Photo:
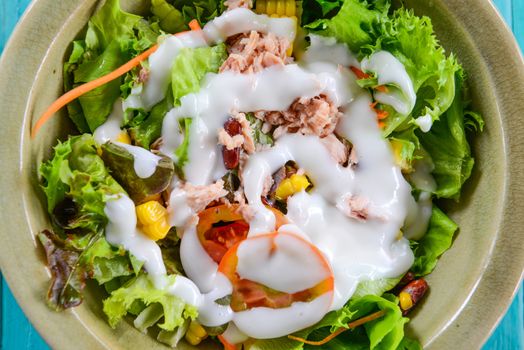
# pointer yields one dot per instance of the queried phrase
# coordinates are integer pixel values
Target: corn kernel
(397, 153)
(271, 7)
(292, 185)
(291, 8)
(405, 301)
(261, 7)
(123, 137)
(157, 230)
(150, 212)
(281, 8)
(195, 334)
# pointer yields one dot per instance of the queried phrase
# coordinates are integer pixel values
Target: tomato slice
(248, 294)
(221, 227)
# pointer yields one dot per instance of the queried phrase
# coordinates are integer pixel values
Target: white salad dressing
(230, 23)
(160, 64)
(355, 250)
(417, 223)
(220, 96)
(291, 268)
(145, 162)
(425, 122)
(242, 20)
(390, 71)
(110, 130)
(121, 230)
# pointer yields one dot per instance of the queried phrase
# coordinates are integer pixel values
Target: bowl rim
(513, 193)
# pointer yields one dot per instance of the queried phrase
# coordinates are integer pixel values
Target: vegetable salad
(260, 174)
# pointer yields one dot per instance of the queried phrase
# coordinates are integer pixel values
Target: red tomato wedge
(221, 227)
(248, 294)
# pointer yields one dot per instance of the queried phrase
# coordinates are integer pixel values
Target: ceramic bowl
(475, 280)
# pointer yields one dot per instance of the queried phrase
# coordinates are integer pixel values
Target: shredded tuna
(247, 133)
(267, 185)
(355, 207)
(233, 4)
(230, 142)
(251, 53)
(309, 116)
(243, 208)
(198, 197)
(336, 148)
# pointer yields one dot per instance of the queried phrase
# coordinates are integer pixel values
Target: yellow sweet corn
(276, 9)
(152, 219)
(292, 185)
(150, 212)
(405, 301)
(397, 152)
(124, 138)
(280, 8)
(158, 230)
(195, 334)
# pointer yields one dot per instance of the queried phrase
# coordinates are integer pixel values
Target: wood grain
(16, 331)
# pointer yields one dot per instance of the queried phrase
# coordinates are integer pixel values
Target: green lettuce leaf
(435, 242)
(386, 332)
(313, 10)
(98, 103)
(71, 267)
(110, 23)
(449, 149)
(77, 172)
(190, 67)
(175, 16)
(181, 153)
(411, 39)
(113, 37)
(355, 23)
(149, 128)
(375, 287)
(140, 289)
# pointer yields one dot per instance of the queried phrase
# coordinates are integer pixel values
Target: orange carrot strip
(359, 73)
(194, 25)
(85, 88)
(351, 325)
(382, 88)
(381, 114)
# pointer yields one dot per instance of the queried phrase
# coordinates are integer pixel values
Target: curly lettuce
(140, 291)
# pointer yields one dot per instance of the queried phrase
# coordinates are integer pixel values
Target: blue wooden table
(16, 332)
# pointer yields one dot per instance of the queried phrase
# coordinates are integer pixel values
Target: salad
(263, 175)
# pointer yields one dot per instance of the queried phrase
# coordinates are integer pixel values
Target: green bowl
(474, 282)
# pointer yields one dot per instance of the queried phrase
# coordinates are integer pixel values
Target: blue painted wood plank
(10, 12)
(518, 23)
(505, 8)
(16, 331)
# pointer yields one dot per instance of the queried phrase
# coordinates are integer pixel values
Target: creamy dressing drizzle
(390, 71)
(355, 250)
(110, 130)
(145, 162)
(230, 23)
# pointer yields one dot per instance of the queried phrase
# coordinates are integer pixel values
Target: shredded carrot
(381, 114)
(373, 105)
(381, 125)
(351, 325)
(89, 86)
(194, 25)
(359, 73)
(381, 88)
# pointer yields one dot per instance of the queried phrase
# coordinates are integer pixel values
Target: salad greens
(78, 182)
